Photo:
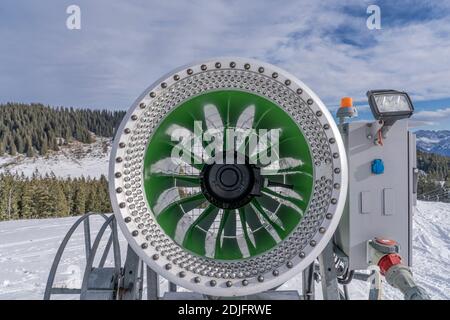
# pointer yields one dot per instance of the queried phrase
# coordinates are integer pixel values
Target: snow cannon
(228, 177)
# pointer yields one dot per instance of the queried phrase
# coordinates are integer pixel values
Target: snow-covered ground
(27, 249)
(75, 160)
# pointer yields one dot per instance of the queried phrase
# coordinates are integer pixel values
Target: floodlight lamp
(390, 105)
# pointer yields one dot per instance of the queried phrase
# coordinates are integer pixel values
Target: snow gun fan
(228, 177)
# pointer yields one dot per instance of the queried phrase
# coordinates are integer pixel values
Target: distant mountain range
(434, 141)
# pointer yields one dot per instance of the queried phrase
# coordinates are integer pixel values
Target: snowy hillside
(75, 160)
(27, 249)
(434, 141)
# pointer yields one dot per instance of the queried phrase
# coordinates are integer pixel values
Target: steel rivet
(119, 190)
(232, 64)
(176, 77)
(134, 117)
(247, 66)
(335, 155)
(168, 266)
(289, 264)
(122, 205)
(310, 101)
(142, 105)
(336, 185)
(287, 82)
(229, 284)
(152, 94)
(212, 283)
(163, 85)
(122, 145)
(134, 233)
(127, 219)
(337, 170)
(275, 273)
(244, 282)
(319, 113)
(333, 201)
(332, 140)
(299, 91)
(274, 75)
(203, 67)
(260, 69)
(118, 159)
(182, 274)
(328, 216)
(326, 126)
(312, 243)
(144, 245)
(197, 280)
(117, 174)
(189, 71)
(260, 278)
(155, 256)
(218, 65)
(322, 230)
(302, 255)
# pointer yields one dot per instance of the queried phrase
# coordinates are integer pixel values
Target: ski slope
(27, 249)
(75, 160)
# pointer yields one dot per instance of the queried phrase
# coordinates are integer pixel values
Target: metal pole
(152, 284)
(132, 277)
(328, 273)
(87, 238)
(308, 282)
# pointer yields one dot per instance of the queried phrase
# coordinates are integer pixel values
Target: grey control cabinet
(378, 205)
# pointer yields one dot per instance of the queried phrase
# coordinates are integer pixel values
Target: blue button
(377, 166)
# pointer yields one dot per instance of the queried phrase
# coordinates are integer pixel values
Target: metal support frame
(90, 272)
(126, 282)
(132, 278)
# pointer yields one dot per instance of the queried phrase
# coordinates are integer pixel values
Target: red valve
(387, 261)
(386, 242)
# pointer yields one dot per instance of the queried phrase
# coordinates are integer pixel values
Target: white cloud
(434, 116)
(124, 46)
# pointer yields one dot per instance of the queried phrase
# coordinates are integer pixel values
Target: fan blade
(174, 196)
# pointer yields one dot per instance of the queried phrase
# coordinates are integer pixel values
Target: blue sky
(123, 47)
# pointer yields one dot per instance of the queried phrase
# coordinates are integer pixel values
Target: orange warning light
(346, 102)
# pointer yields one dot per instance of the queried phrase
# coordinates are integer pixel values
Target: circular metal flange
(148, 220)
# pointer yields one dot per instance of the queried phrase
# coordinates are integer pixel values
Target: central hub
(230, 186)
(229, 176)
